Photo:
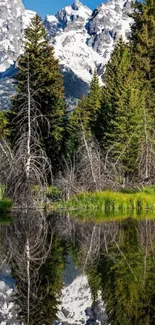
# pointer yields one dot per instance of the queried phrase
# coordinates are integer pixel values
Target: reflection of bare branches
(91, 239)
(29, 243)
(89, 252)
(4, 254)
(146, 230)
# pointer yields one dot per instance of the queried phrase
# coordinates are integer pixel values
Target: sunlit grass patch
(110, 202)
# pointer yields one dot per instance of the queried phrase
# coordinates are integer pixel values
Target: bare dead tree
(30, 165)
(89, 152)
(6, 157)
(88, 170)
(67, 178)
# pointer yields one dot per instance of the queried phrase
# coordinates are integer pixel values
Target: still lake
(77, 268)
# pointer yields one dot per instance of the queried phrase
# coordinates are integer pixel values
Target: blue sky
(44, 7)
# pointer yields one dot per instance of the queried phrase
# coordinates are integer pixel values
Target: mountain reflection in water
(117, 256)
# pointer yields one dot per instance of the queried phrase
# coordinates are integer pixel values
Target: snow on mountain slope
(10, 31)
(83, 40)
(76, 305)
(13, 19)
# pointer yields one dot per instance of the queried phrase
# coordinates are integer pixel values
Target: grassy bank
(111, 202)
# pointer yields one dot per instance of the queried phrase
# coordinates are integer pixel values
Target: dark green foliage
(128, 127)
(127, 283)
(46, 87)
(5, 219)
(115, 77)
(93, 102)
(121, 279)
(5, 205)
(143, 45)
(83, 117)
(143, 40)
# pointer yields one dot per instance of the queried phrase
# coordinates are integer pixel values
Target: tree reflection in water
(118, 258)
(37, 262)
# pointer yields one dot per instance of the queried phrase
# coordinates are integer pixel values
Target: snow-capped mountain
(83, 40)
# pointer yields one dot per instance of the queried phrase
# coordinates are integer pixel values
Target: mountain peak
(76, 4)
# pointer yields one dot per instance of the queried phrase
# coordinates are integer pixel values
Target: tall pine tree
(143, 40)
(116, 73)
(128, 127)
(46, 86)
(143, 46)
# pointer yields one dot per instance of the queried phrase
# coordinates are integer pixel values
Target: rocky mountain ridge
(83, 40)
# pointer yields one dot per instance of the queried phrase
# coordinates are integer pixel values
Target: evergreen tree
(128, 128)
(143, 45)
(116, 73)
(143, 40)
(93, 101)
(46, 86)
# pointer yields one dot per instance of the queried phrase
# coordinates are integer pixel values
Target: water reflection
(118, 258)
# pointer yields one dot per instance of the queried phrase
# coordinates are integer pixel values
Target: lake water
(77, 269)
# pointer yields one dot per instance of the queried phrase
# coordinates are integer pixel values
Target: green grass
(111, 202)
(51, 192)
